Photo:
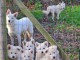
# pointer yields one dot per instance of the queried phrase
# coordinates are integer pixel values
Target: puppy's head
(10, 17)
(40, 47)
(13, 51)
(26, 54)
(28, 45)
(52, 52)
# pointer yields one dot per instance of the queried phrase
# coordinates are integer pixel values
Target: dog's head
(52, 52)
(26, 54)
(13, 51)
(62, 4)
(28, 45)
(40, 47)
(10, 17)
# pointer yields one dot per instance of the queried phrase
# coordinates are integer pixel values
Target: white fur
(29, 46)
(14, 52)
(16, 27)
(40, 48)
(55, 9)
(51, 53)
(27, 55)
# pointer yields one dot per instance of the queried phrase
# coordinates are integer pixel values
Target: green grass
(71, 15)
(38, 14)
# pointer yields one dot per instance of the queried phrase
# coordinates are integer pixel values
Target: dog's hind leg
(53, 16)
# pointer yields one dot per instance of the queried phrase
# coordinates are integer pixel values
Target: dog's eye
(40, 49)
(28, 56)
(11, 52)
(12, 18)
(43, 48)
(24, 56)
(15, 53)
(27, 46)
(54, 52)
(49, 54)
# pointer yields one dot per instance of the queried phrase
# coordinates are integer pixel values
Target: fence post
(3, 38)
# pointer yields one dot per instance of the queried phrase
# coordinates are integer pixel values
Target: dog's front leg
(12, 38)
(53, 16)
(19, 39)
(58, 15)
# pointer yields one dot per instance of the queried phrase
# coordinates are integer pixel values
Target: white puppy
(14, 52)
(27, 55)
(55, 9)
(29, 46)
(40, 48)
(51, 53)
(16, 27)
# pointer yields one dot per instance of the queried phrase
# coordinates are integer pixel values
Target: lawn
(71, 15)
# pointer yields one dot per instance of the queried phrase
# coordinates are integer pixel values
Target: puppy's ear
(8, 11)
(24, 43)
(8, 46)
(46, 50)
(31, 52)
(33, 41)
(18, 48)
(36, 44)
(16, 14)
(46, 43)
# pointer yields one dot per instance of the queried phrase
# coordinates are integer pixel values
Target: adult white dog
(16, 27)
(55, 9)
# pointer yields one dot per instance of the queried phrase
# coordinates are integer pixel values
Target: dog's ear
(8, 46)
(24, 43)
(8, 11)
(36, 44)
(46, 43)
(46, 50)
(33, 41)
(18, 48)
(16, 14)
(31, 52)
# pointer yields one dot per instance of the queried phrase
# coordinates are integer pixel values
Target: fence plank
(3, 44)
(25, 10)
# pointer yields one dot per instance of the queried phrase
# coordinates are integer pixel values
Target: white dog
(51, 53)
(27, 55)
(55, 9)
(16, 27)
(29, 45)
(40, 48)
(14, 52)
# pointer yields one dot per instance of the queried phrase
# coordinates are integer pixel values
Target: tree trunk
(3, 49)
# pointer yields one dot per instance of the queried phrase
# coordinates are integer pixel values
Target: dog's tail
(46, 12)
